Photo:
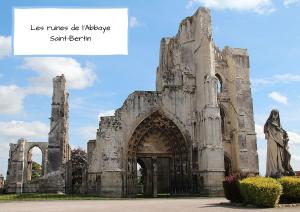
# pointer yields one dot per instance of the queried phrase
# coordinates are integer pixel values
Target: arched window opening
(141, 172)
(34, 164)
(219, 84)
(222, 113)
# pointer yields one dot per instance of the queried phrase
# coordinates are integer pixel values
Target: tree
(36, 171)
(79, 162)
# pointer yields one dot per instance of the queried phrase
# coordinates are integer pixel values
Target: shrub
(260, 191)
(231, 189)
(291, 189)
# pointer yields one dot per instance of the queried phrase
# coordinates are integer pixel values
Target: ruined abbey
(181, 139)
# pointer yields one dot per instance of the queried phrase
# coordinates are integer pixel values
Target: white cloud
(4, 152)
(287, 3)
(18, 129)
(47, 68)
(5, 46)
(106, 113)
(36, 155)
(278, 97)
(287, 78)
(296, 157)
(133, 22)
(259, 131)
(294, 138)
(87, 133)
(11, 131)
(278, 78)
(258, 6)
(11, 99)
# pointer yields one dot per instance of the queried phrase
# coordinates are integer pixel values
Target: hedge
(232, 190)
(291, 189)
(260, 191)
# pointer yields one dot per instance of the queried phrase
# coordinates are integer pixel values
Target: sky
(98, 85)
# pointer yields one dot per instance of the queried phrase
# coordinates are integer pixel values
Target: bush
(231, 189)
(291, 189)
(260, 191)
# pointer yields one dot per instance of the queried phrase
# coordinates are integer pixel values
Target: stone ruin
(181, 139)
(55, 152)
(1, 183)
(195, 128)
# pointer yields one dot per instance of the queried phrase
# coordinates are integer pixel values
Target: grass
(45, 196)
(37, 196)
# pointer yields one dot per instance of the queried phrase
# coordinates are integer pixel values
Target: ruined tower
(55, 153)
(196, 128)
(58, 148)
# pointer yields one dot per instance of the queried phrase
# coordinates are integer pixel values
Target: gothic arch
(168, 115)
(27, 159)
(158, 141)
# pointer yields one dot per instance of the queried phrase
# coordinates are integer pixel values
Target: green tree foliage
(79, 161)
(36, 171)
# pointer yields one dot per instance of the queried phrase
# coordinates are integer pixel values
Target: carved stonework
(177, 134)
(196, 127)
(59, 149)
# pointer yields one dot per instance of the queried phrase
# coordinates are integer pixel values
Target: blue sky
(269, 29)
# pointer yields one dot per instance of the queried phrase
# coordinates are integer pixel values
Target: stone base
(111, 184)
(211, 184)
(53, 182)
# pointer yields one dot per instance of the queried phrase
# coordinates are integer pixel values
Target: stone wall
(55, 153)
(1, 183)
(202, 92)
(19, 164)
(59, 150)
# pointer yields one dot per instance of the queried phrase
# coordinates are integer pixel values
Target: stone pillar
(211, 152)
(245, 146)
(58, 141)
(154, 167)
(15, 171)
(58, 148)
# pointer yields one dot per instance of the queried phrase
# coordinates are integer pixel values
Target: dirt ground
(131, 205)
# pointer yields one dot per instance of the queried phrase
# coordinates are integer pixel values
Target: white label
(61, 31)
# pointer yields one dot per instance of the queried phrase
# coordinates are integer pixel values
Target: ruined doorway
(153, 175)
(34, 166)
(159, 147)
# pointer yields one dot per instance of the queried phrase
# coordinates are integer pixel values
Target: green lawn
(36, 196)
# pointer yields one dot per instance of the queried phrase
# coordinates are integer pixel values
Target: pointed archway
(159, 144)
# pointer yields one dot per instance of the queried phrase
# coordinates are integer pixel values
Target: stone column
(58, 135)
(211, 152)
(154, 167)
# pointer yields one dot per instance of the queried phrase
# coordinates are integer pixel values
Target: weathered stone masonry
(55, 153)
(197, 126)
